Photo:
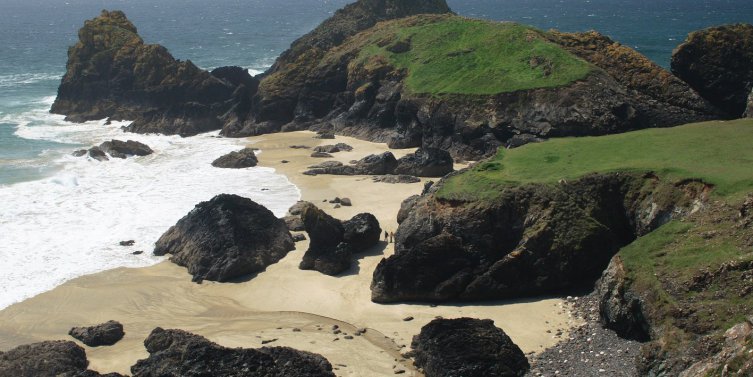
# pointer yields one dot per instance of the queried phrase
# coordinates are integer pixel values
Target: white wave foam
(255, 72)
(70, 224)
(8, 81)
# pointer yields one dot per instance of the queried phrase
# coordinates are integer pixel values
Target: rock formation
(226, 238)
(174, 353)
(718, 63)
(124, 149)
(105, 334)
(467, 347)
(112, 73)
(333, 242)
(533, 239)
(425, 162)
(47, 359)
(244, 158)
(749, 108)
(620, 308)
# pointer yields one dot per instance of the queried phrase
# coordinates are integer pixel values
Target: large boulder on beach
(374, 164)
(177, 353)
(244, 158)
(124, 149)
(226, 238)
(467, 347)
(718, 63)
(47, 359)
(362, 231)
(425, 162)
(326, 253)
(105, 334)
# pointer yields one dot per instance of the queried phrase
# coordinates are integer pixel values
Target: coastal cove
(245, 313)
(412, 187)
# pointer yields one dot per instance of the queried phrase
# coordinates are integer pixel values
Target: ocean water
(62, 217)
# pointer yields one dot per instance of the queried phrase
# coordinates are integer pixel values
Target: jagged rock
(294, 223)
(105, 334)
(406, 207)
(394, 179)
(384, 163)
(112, 73)
(47, 359)
(467, 347)
(619, 308)
(533, 239)
(174, 353)
(425, 162)
(734, 358)
(244, 158)
(718, 63)
(98, 154)
(362, 232)
(124, 149)
(327, 253)
(226, 238)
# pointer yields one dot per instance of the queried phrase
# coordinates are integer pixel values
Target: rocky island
(647, 222)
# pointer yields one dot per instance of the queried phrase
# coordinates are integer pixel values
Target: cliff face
(532, 239)
(718, 63)
(364, 86)
(112, 73)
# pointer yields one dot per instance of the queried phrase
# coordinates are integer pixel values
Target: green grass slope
(719, 153)
(455, 55)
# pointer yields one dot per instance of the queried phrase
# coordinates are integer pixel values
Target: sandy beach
(271, 304)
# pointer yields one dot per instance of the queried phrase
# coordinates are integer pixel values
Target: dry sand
(270, 305)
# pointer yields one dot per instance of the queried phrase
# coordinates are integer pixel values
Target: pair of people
(389, 237)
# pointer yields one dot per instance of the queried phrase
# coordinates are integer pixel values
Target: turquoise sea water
(62, 217)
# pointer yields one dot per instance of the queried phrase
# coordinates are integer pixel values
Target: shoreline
(272, 303)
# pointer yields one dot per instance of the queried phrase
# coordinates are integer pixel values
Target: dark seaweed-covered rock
(98, 154)
(244, 158)
(112, 73)
(425, 162)
(105, 334)
(362, 231)
(718, 63)
(177, 353)
(124, 149)
(532, 239)
(226, 238)
(47, 359)
(467, 347)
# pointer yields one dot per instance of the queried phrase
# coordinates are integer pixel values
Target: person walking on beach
(385, 236)
(392, 237)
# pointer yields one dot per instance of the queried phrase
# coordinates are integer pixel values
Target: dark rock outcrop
(425, 162)
(294, 223)
(395, 179)
(374, 164)
(47, 359)
(244, 158)
(105, 334)
(362, 231)
(533, 239)
(339, 147)
(619, 307)
(467, 347)
(333, 242)
(177, 353)
(226, 238)
(734, 357)
(112, 73)
(326, 253)
(718, 63)
(124, 149)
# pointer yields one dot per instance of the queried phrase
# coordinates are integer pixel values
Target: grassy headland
(455, 55)
(719, 153)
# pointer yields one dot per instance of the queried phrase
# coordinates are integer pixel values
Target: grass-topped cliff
(718, 153)
(456, 55)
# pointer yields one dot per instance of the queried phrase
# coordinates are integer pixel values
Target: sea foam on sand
(70, 224)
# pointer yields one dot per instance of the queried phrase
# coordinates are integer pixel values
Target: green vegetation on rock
(718, 153)
(455, 55)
